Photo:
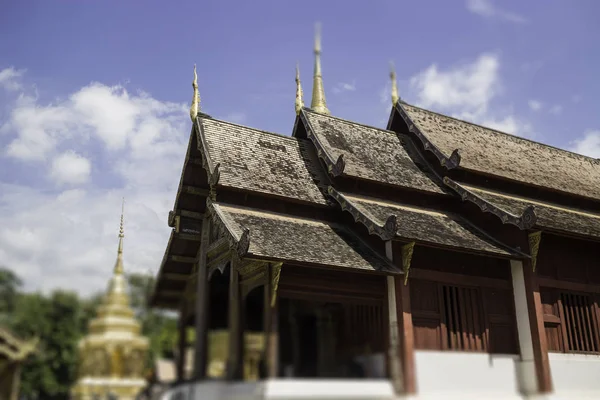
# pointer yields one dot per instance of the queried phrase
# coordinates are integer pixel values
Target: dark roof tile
(369, 153)
(264, 162)
(499, 154)
(428, 226)
(549, 215)
(300, 240)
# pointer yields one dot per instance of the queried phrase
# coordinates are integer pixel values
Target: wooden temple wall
(568, 274)
(462, 302)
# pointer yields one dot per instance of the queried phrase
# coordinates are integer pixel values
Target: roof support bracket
(407, 253)
(535, 239)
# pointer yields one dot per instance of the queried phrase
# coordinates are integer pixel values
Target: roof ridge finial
(119, 264)
(318, 102)
(195, 107)
(299, 93)
(395, 95)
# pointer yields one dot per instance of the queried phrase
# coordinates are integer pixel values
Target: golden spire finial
(299, 99)
(195, 108)
(395, 96)
(119, 264)
(318, 102)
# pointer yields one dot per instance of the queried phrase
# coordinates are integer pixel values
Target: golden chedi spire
(195, 107)
(119, 264)
(318, 102)
(299, 94)
(117, 288)
(112, 354)
(395, 96)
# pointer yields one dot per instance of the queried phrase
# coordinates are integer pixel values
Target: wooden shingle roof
(434, 228)
(490, 152)
(368, 153)
(263, 162)
(549, 216)
(281, 237)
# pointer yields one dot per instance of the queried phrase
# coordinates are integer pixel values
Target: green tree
(159, 327)
(57, 321)
(10, 284)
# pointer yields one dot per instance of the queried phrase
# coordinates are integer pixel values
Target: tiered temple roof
(334, 191)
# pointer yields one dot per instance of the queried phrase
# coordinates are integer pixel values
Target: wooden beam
(235, 370)
(190, 214)
(188, 236)
(175, 277)
(270, 324)
(181, 343)
(538, 330)
(201, 314)
(196, 191)
(402, 349)
(183, 259)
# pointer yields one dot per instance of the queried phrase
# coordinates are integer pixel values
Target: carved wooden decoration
(386, 232)
(407, 252)
(526, 221)
(238, 246)
(335, 168)
(275, 274)
(534, 246)
(451, 162)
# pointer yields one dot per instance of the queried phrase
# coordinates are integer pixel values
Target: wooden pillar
(181, 342)
(235, 367)
(401, 336)
(201, 306)
(270, 327)
(530, 324)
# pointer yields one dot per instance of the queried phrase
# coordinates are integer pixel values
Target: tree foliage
(60, 320)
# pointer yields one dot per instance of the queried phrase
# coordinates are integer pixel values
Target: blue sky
(93, 99)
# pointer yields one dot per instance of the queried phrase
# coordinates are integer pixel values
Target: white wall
(575, 375)
(473, 375)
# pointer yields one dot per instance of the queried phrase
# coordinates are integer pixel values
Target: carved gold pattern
(407, 252)
(275, 275)
(299, 94)
(534, 246)
(195, 107)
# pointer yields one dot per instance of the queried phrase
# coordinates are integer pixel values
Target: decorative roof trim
(335, 168)
(526, 220)
(239, 245)
(211, 169)
(448, 162)
(386, 232)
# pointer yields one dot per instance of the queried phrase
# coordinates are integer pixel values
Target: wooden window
(462, 318)
(571, 321)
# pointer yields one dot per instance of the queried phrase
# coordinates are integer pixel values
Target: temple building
(434, 258)
(112, 355)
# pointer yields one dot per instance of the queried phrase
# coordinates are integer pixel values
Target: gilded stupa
(112, 355)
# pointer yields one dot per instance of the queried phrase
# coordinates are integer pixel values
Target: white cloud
(469, 87)
(588, 145)
(556, 109)
(466, 91)
(70, 168)
(342, 87)
(10, 79)
(487, 9)
(135, 146)
(535, 105)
